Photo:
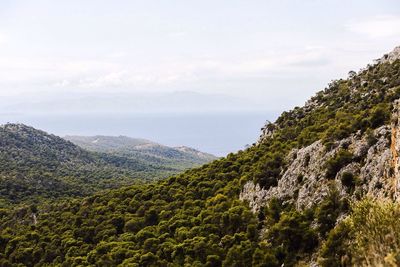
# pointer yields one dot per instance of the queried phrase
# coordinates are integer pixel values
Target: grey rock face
(391, 57)
(304, 183)
(255, 195)
(375, 166)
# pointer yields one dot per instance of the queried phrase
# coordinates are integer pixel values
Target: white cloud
(377, 27)
(103, 73)
(274, 61)
(200, 69)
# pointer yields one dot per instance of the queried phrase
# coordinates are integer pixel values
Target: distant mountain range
(136, 148)
(35, 164)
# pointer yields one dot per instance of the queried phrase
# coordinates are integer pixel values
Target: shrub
(269, 172)
(370, 236)
(348, 180)
(334, 164)
(379, 116)
(335, 251)
(293, 235)
(329, 210)
(371, 139)
(376, 240)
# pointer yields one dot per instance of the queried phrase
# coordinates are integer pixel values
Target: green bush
(376, 238)
(379, 115)
(334, 164)
(328, 211)
(371, 139)
(370, 236)
(348, 179)
(335, 251)
(293, 235)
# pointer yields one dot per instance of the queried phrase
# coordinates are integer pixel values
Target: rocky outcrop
(267, 131)
(375, 167)
(395, 148)
(390, 57)
(256, 196)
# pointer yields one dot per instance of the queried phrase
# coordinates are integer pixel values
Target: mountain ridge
(142, 148)
(36, 165)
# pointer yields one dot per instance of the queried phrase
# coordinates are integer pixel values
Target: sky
(183, 56)
(269, 54)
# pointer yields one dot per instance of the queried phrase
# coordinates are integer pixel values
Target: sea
(218, 133)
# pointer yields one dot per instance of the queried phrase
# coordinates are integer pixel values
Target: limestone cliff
(304, 182)
(374, 164)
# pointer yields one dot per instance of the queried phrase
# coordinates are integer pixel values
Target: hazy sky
(267, 54)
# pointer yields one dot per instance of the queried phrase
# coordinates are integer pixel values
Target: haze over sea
(217, 133)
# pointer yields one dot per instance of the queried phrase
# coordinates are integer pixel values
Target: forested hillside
(36, 165)
(212, 216)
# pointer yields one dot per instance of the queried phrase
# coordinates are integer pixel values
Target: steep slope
(179, 157)
(286, 200)
(34, 164)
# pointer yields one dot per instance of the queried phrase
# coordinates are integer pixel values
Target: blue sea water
(217, 133)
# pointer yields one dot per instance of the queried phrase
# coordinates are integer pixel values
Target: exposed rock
(304, 183)
(255, 195)
(390, 57)
(375, 165)
(267, 131)
(395, 147)
(374, 174)
(34, 219)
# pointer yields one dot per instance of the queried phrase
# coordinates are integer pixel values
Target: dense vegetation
(370, 236)
(35, 165)
(196, 218)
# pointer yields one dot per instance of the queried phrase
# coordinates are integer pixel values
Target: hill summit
(176, 157)
(36, 165)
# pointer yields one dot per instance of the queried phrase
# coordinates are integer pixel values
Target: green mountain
(317, 189)
(34, 165)
(173, 157)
